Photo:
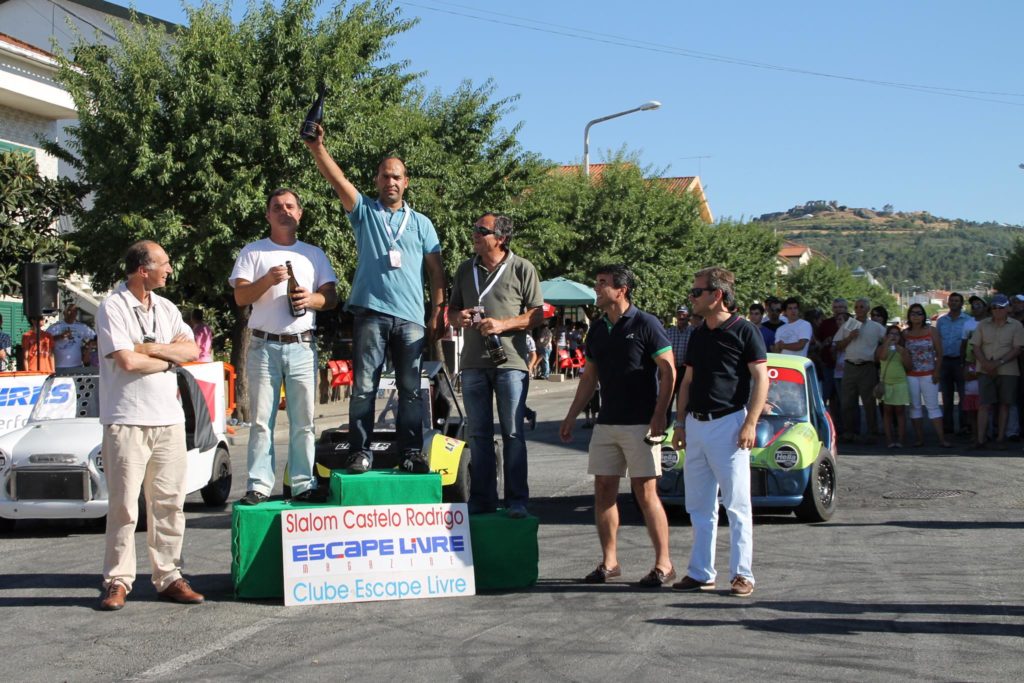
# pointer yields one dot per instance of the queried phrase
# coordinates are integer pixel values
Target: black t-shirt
(773, 325)
(625, 354)
(718, 360)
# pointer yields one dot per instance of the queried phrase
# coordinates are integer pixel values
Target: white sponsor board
(376, 552)
(18, 393)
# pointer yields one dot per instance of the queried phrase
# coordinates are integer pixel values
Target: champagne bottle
(492, 344)
(293, 285)
(315, 115)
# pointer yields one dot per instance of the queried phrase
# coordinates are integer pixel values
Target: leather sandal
(602, 574)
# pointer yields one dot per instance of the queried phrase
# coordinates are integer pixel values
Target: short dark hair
(138, 256)
(197, 314)
(791, 300)
(622, 276)
(284, 190)
(723, 280)
(756, 307)
(771, 301)
(952, 294)
(883, 312)
(503, 227)
(405, 169)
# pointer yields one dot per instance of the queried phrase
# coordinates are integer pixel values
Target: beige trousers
(151, 459)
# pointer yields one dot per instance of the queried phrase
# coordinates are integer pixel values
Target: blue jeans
(480, 388)
(373, 335)
(268, 364)
(545, 361)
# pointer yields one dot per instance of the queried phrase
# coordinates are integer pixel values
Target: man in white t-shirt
(793, 338)
(142, 337)
(282, 348)
(70, 338)
(859, 338)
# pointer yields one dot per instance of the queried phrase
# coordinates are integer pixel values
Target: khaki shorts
(1001, 389)
(614, 449)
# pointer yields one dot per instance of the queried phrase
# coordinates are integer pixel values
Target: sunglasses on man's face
(480, 230)
(696, 292)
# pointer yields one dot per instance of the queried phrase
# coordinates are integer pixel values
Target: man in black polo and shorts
(630, 354)
(722, 394)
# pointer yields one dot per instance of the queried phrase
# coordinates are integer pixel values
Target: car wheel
(6, 525)
(458, 492)
(215, 494)
(819, 501)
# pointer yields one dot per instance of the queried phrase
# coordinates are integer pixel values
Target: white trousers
(713, 461)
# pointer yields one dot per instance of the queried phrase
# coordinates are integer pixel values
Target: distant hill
(929, 251)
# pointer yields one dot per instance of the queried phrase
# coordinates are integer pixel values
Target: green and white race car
(793, 462)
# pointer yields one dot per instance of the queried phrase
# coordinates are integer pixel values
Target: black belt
(863, 362)
(306, 336)
(952, 357)
(714, 414)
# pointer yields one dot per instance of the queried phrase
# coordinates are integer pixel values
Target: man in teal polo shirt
(395, 245)
(496, 295)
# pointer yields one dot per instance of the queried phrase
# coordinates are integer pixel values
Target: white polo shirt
(128, 397)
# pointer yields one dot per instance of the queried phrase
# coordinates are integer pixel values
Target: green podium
(256, 529)
(505, 552)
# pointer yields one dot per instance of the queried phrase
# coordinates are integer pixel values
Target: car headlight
(4, 461)
(669, 459)
(786, 457)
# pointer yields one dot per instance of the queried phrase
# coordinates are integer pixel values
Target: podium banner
(376, 552)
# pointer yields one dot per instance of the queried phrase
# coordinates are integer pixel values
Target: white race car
(52, 468)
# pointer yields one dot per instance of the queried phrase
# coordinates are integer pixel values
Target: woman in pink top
(203, 335)
(925, 348)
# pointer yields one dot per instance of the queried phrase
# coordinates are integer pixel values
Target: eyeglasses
(696, 292)
(480, 230)
(917, 313)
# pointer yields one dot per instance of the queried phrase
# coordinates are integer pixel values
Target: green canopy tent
(563, 292)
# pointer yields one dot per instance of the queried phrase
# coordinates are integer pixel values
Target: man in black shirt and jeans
(722, 395)
(630, 354)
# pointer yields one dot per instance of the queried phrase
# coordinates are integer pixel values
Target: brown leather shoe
(180, 591)
(114, 596)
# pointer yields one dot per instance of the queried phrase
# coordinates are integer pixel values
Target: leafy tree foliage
(29, 208)
(181, 138)
(571, 224)
(1011, 274)
(819, 282)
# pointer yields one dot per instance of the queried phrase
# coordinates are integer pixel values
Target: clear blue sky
(775, 138)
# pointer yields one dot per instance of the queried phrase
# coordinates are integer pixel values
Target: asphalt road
(917, 577)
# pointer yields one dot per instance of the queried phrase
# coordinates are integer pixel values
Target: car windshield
(787, 394)
(62, 398)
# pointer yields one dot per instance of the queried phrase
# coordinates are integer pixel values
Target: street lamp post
(646, 106)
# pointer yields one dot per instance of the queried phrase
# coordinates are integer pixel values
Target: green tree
(1011, 275)
(820, 281)
(181, 137)
(29, 208)
(571, 224)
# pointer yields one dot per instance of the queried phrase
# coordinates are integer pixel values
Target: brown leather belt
(306, 336)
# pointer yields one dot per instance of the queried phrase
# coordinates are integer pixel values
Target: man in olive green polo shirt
(997, 343)
(496, 299)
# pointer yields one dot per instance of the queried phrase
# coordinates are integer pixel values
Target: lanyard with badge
(147, 337)
(394, 255)
(478, 311)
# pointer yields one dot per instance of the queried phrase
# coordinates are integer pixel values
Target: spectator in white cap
(997, 343)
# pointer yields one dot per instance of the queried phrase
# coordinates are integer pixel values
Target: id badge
(478, 314)
(396, 258)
